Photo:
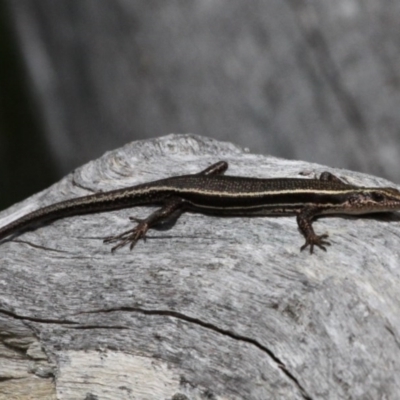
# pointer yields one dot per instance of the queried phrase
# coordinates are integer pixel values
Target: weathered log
(212, 308)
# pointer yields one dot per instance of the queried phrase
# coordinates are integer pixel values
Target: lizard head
(378, 200)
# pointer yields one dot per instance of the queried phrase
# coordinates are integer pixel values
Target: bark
(210, 308)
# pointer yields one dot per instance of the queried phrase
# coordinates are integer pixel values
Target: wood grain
(211, 308)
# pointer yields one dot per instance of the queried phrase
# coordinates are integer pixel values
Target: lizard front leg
(329, 177)
(304, 221)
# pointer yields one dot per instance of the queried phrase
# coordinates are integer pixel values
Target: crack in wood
(37, 246)
(35, 319)
(176, 315)
(214, 328)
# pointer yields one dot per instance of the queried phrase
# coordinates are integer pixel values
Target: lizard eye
(377, 197)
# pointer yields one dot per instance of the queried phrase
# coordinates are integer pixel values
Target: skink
(211, 192)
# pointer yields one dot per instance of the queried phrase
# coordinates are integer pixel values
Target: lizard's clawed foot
(315, 240)
(129, 237)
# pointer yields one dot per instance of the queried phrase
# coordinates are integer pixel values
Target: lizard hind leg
(173, 207)
(130, 236)
(218, 168)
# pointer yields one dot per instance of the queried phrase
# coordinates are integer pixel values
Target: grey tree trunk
(213, 308)
(316, 80)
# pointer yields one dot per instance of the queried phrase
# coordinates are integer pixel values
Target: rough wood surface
(213, 308)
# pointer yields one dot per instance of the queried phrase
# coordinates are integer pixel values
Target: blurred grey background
(316, 80)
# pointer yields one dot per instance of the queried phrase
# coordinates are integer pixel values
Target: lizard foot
(315, 240)
(130, 236)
